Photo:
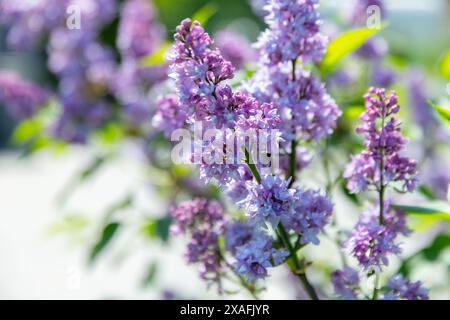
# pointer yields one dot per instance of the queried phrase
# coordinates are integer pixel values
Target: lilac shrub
(255, 217)
(21, 97)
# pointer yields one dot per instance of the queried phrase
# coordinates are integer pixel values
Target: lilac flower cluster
(253, 250)
(305, 107)
(82, 65)
(293, 35)
(90, 81)
(398, 288)
(380, 163)
(30, 21)
(235, 48)
(199, 72)
(139, 35)
(305, 212)
(346, 283)
(169, 116)
(293, 32)
(255, 256)
(359, 13)
(21, 97)
(204, 221)
(376, 48)
(84, 68)
(371, 242)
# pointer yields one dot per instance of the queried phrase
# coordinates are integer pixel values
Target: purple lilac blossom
(312, 212)
(306, 212)
(359, 14)
(169, 116)
(293, 32)
(84, 68)
(305, 108)
(270, 200)
(203, 220)
(235, 48)
(400, 288)
(383, 76)
(199, 73)
(346, 283)
(418, 98)
(371, 243)
(237, 234)
(254, 257)
(373, 49)
(382, 146)
(30, 20)
(139, 33)
(21, 97)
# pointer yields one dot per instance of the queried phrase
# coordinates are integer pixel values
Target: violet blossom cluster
(306, 212)
(253, 250)
(22, 98)
(400, 288)
(203, 220)
(139, 35)
(374, 49)
(381, 163)
(375, 236)
(346, 283)
(235, 48)
(91, 82)
(200, 73)
(306, 109)
(29, 21)
(293, 32)
(371, 242)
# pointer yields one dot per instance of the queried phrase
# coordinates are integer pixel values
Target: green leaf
(444, 67)
(69, 223)
(156, 58)
(158, 228)
(26, 130)
(110, 133)
(205, 13)
(443, 112)
(151, 274)
(426, 191)
(353, 112)
(107, 235)
(436, 209)
(343, 45)
(430, 253)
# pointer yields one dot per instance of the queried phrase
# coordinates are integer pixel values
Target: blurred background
(56, 197)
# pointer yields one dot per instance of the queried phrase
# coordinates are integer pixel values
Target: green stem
(243, 283)
(252, 166)
(375, 288)
(299, 271)
(292, 162)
